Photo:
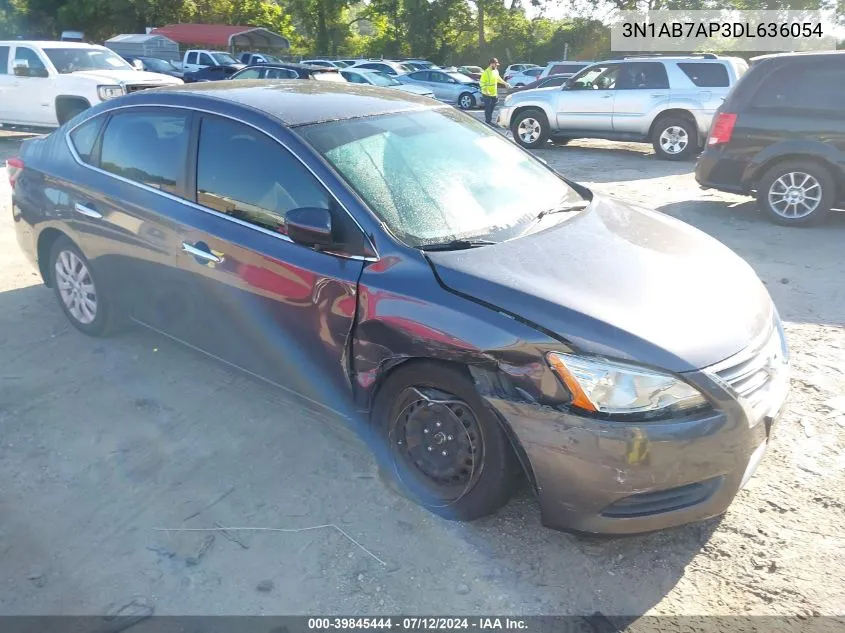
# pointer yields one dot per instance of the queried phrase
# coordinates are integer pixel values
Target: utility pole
(566, 51)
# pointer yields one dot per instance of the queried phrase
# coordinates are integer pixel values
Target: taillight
(722, 130)
(14, 166)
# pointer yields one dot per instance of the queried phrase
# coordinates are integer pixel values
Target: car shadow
(802, 267)
(167, 428)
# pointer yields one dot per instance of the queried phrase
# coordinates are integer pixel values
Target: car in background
(454, 88)
(565, 68)
(514, 69)
(326, 63)
(385, 65)
(478, 317)
(251, 59)
(419, 64)
(382, 80)
(554, 81)
(155, 65)
(288, 70)
(668, 101)
(522, 79)
(195, 59)
(780, 135)
(212, 73)
(473, 72)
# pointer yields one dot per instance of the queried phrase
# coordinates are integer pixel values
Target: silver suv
(668, 101)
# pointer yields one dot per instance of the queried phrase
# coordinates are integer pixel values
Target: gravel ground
(104, 441)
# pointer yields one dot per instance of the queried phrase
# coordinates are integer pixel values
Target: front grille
(751, 374)
(136, 87)
(649, 503)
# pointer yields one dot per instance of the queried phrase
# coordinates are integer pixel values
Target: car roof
(294, 66)
(50, 44)
(801, 54)
(293, 103)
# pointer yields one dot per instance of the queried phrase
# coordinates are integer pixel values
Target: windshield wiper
(575, 206)
(455, 245)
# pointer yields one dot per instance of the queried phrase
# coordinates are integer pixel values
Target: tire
(674, 138)
(808, 180)
(535, 128)
(65, 258)
(66, 113)
(466, 101)
(482, 472)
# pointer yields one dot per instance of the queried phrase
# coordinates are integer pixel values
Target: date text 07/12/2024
(417, 624)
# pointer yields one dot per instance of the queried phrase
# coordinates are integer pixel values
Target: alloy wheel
(529, 130)
(466, 102)
(674, 139)
(795, 195)
(76, 287)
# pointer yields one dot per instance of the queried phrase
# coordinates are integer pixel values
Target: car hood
(127, 76)
(414, 89)
(623, 282)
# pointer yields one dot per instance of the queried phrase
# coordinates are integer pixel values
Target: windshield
(382, 79)
(460, 77)
(159, 65)
(437, 175)
(71, 60)
(222, 59)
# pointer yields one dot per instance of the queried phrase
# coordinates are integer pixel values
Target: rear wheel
(446, 448)
(674, 138)
(81, 297)
(530, 128)
(796, 193)
(466, 101)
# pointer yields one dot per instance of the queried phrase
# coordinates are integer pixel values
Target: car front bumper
(602, 477)
(503, 119)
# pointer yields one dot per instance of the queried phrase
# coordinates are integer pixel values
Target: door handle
(606, 96)
(200, 253)
(656, 95)
(87, 211)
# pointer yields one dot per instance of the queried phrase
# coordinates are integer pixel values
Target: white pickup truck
(44, 84)
(196, 59)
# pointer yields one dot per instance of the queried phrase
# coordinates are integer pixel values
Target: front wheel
(466, 101)
(446, 448)
(674, 138)
(796, 193)
(530, 129)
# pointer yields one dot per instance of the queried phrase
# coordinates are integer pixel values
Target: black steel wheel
(444, 446)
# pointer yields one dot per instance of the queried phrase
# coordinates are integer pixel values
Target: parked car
(514, 69)
(554, 81)
(197, 59)
(473, 72)
(289, 71)
(407, 288)
(45, 84)
(452, 88)
(253, 59)
(420, 64)
(565, 68)
(382, 80)
(323, 62)
(522, 79)
(155, 65)
(780, 135)
(669, 101)
(386, 66)
(212, 73)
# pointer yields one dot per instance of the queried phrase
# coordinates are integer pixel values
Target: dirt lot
(104, 441)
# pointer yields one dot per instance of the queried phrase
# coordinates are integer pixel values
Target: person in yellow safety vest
(490, 81)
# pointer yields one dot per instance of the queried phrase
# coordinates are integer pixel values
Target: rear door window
(642, 76)
(84, 138)
(4, 60)
(706, 75)
(815, 87)
(148, 146)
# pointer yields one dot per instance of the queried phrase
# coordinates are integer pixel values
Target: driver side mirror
(137, 64)
(23, 70)
(310, 226)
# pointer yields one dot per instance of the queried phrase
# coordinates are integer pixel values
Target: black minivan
(780, 135)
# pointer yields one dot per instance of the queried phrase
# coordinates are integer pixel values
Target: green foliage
(445, 31)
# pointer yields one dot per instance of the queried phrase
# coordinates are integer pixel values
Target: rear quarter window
(4, 60)
(84, 138)
(706, 75)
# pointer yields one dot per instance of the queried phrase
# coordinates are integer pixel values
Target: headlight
(109, 92)
(601, 386)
